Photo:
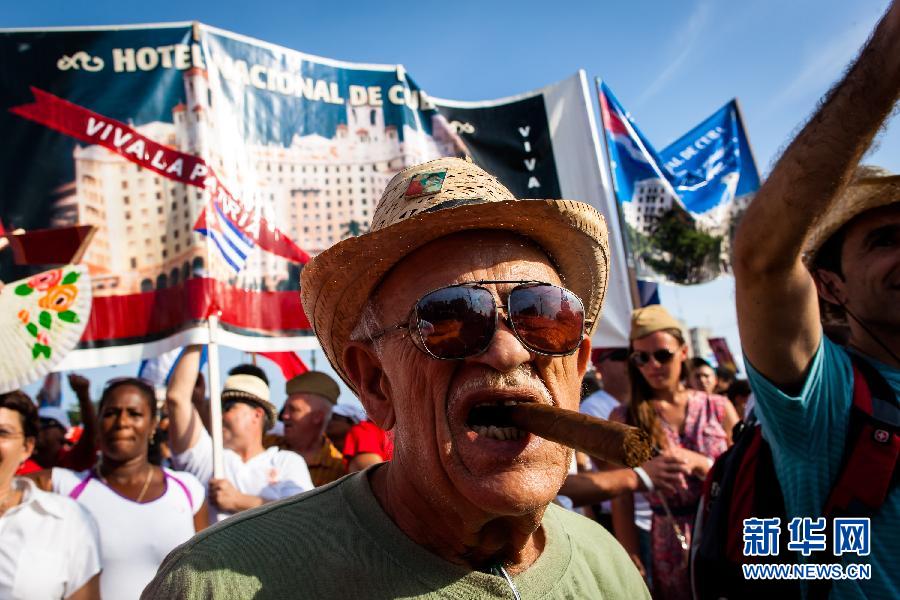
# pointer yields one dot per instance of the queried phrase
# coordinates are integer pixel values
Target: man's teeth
(499, 433)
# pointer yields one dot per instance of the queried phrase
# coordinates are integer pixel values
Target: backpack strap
(871, 455)
(872, 448)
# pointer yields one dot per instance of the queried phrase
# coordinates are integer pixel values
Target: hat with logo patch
(435, 199)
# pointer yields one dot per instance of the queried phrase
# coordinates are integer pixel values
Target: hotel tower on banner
(317, 190)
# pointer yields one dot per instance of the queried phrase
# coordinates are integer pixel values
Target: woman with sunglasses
(142, 511)
(48, 544)
(692, 426)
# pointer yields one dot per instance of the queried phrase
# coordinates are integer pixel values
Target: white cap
(57, 414)
(350, 411)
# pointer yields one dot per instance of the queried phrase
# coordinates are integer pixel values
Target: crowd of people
(461, 303)
(138, 480)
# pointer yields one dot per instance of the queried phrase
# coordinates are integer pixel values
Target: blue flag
(679, 205)
(711, 164)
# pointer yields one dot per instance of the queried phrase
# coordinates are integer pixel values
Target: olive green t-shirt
(337, 542)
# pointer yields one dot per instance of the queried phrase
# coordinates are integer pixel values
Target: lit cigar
(604, 440)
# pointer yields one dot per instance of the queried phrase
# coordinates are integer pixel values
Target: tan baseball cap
(314, 382)
(651, 319)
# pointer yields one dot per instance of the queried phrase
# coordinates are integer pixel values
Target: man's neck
(311, 449)
(886, 352)
(248, 450)
(472, 538)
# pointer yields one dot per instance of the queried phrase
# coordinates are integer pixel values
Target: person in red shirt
(365, 442)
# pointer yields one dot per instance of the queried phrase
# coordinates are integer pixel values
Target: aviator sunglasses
(640, 358)
(459, 321)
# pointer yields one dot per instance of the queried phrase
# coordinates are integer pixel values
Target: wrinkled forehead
(467, 256)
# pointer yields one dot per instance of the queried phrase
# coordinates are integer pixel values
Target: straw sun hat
(432, 200)
(871, 187)
(250, 389)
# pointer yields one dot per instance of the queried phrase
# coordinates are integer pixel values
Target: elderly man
(455, 300)
(823, 233)
(254, 475)
(306, 413)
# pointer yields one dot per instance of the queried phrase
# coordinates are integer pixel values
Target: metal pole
(215, 398)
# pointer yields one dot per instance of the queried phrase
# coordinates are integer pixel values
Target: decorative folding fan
(41, 320)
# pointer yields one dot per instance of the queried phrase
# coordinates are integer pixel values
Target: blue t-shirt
(807, 434)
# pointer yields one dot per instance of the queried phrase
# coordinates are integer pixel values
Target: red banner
(94, 128)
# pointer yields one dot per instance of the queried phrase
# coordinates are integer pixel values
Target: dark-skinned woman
(49, 546)
(691, 427)
(143, 511)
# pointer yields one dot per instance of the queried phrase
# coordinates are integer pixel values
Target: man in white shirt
(254, 475)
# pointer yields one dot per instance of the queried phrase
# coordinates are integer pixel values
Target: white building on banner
(650, 200)
(317, 190)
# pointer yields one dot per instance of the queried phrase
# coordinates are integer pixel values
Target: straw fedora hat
(428, 201)
(870, 188)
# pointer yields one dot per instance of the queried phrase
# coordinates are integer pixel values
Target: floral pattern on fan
(59, 294)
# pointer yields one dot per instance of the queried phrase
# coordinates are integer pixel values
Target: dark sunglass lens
(640, 358)
(457, 321)
(547, 318)
(663, 356)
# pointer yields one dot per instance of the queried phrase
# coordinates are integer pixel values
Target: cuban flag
(232, 243)
(631, 155)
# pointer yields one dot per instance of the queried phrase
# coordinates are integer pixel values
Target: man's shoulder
(829, 373)
(255, 545)
(285, 457)
(597, 557)
(581, 529)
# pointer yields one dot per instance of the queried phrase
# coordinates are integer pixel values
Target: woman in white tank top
(142, 511)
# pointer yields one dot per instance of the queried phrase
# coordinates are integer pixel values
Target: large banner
(214, 166)
(680, 206)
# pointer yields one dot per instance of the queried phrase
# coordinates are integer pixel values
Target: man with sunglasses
(458, 299)
(254, 475)
(822, 236)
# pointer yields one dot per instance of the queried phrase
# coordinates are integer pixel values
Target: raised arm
(83, 454)
(777, 306)
(184, 421)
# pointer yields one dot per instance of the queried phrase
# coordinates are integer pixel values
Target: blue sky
(671, 64)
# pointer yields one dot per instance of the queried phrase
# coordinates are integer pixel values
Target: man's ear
(584, 356)
(830, 286)
(364, 368)
(29, 447)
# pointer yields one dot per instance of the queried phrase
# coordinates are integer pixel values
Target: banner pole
(740, 116)
(629, 257)
(215, 398)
